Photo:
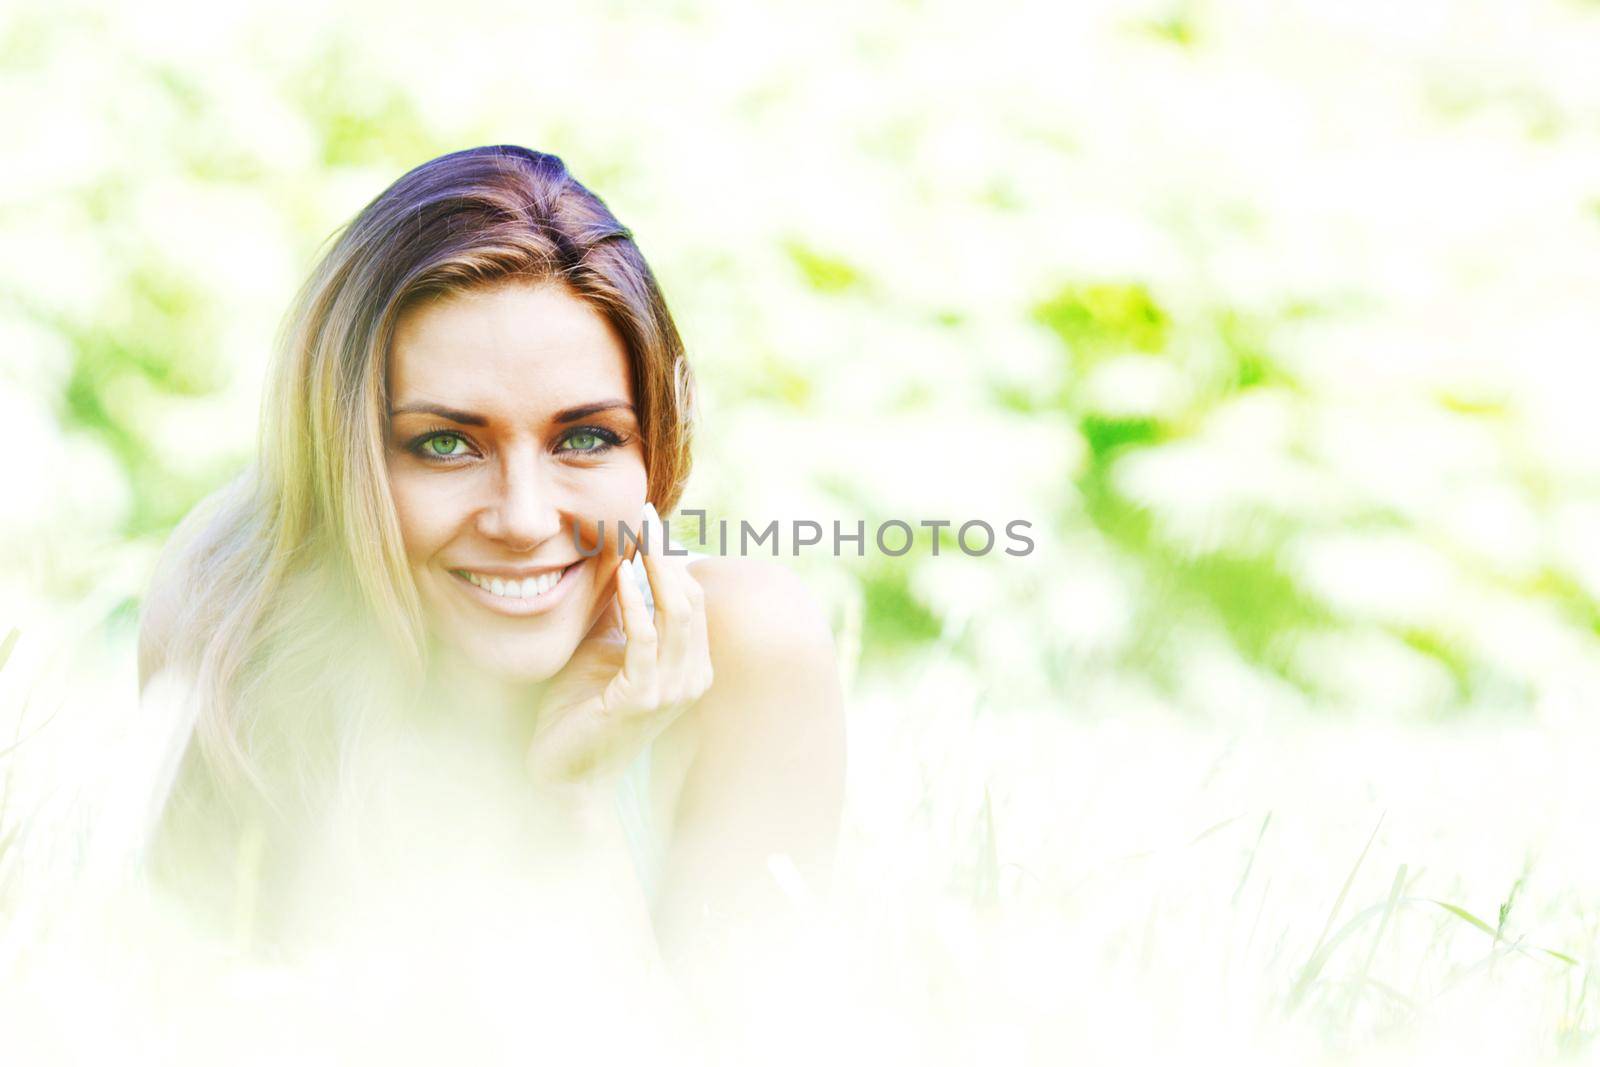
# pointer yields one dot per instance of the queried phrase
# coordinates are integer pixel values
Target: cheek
(611, 494)
(424, 512)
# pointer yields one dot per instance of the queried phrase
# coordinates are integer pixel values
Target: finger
(700, 636)
(686, 658)
(669, 578)
(639, 659)
(628, 545)
(701, 629)
(668, 575)
(610, 617)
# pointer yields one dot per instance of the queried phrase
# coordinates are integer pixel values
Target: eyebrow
(469, 418)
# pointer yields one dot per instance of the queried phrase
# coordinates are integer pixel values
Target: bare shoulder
(775, 696)
(767, 741)
(760, 613)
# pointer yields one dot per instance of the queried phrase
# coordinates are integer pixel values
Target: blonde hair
(296, 569)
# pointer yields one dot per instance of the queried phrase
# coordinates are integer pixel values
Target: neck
(464, 697)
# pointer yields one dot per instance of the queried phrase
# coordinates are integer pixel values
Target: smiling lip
(518, 606)
(516, 572)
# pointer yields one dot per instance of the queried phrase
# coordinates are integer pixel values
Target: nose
(523, 513)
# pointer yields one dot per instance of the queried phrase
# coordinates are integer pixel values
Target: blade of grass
(19, 742)
(1377, 938)
(1208, 831)
(1467, 917)
(1511, 900)
(1499, 938)
(1313, 964)
(987, 882)
(1393, 994)
(1250, 863)
(1255, 923)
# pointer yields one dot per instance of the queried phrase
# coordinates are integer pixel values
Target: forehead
(515, 346)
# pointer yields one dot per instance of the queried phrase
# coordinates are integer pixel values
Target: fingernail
(653, 529)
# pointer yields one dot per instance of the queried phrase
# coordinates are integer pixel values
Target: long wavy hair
(296, 569)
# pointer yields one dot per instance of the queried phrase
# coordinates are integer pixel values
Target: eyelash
(609, 439)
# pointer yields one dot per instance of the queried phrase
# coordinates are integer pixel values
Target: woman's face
(512, 425)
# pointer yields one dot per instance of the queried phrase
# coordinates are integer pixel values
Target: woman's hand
(624, 686)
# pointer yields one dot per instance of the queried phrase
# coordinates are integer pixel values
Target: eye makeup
(604, 440)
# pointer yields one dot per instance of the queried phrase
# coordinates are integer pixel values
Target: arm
(590, 881)
(768, 774)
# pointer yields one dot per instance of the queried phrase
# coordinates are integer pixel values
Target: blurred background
(1275, 320)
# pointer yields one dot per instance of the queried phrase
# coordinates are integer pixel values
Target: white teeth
(522, 589)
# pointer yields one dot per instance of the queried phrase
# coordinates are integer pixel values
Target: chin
(518, 664)
(528, 649)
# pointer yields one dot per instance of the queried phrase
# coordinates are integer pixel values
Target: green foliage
(1106, 436)
(1172, 294)
(1098, 319)
(896, 620)
(358, 120)
(822, 272)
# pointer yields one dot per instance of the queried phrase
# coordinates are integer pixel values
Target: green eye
(590, 441)
(444, 444)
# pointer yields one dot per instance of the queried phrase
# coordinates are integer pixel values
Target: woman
(479, 395)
